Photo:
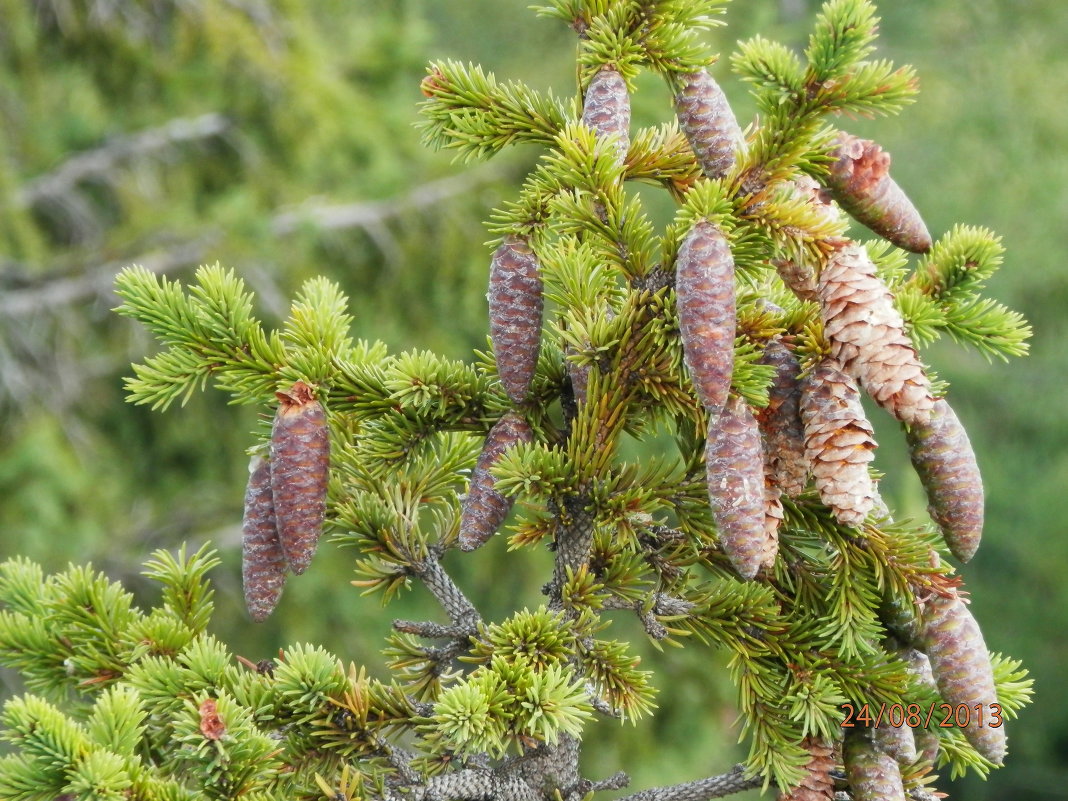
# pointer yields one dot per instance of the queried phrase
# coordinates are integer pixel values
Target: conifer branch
(734, 781)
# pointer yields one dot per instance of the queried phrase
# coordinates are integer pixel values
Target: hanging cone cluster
(704, 286)
(839, 442)
(606, 109)
(961, 667)
(860, 181)
(872, 775)
(263, 564)
(944, 459)
(818, 785)
(515, 310)
(285, 501)
(300, 463)
(735, 471)
(709, 124)
(484, 509)
(780, 421)
(867, 335)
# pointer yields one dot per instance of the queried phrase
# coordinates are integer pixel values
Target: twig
(725, 784)
(461, 611)
(101, 160)
(475, 785)
(369, 216)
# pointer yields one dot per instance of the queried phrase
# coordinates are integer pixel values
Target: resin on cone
(860, 181)
(710, 126)
(944, 459)
(872, 775)
(735, 473)
(484, 509)
(961, 667)
(839, 442)
(867, 335)
(704, 286)
(606, 109)
(263, 564)
(300, 465)
(818, 784)
(780, 421)
(515, 313)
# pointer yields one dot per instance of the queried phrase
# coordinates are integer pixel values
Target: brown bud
(960, 663)
(606, 109)
(839, 442)
(734, 465)
(817, 784)
(300, 463)
(263, 565)
(872, 775)
(780, 421)
(944, 459)
(860, 181)
(515, 311)
(706, 118)
(867, 335)
(484, 509)
(704, 285)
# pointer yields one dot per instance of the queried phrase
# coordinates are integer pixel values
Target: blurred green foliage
(315, 105)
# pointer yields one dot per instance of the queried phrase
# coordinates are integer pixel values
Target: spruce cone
(515, 308)
(818, 784)
(704, 285)
(706, 118)
(780, 421)
(735, 471)
(263, 565)
(944, 459)
(800, 277)
(860, 181)
(868, 337)
(895, 741)
(606, 109)
(872, 775)
(961, 667)
(300, 464)
(484, 509)
(839, 442)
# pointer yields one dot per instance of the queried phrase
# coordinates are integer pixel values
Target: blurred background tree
(278, 138)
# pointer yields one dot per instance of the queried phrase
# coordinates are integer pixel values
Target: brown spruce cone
(263, 565)
(867, 335)
(484, 509)
(961, 667)
(606, 109)
(839, 442)
(872, 775)
(860, 181)
(944, 459)
(515, 309)
(780, 421)
(818, 785)
(735, 472)
(300, 464)
(704, 285)
(895, 741)
(706, 118)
